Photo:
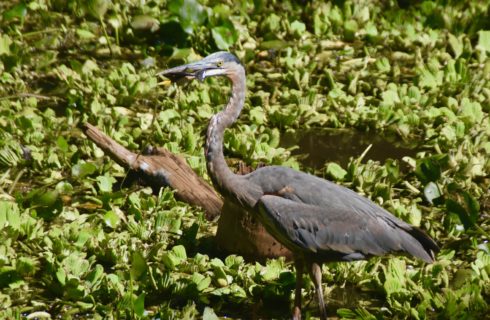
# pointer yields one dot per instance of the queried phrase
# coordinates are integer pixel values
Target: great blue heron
(319, 221)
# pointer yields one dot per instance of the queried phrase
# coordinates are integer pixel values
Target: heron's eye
(219, 63)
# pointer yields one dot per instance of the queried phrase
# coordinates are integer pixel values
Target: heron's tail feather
(424, 247)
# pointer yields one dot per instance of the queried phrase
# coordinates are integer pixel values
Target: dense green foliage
(72, 243)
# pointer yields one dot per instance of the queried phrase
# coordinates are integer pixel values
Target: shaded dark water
(338, 145)
(349, 296)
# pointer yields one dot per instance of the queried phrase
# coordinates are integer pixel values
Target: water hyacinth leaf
(383, 65)
(44, 198)
(139, 305)
(97, 8)
(138, 265)
(430, 79)
(449, 132)
(135, 200)
(18, 11)
(454, 207)
(96, 275)
(115, 283)
(414, 93)
(219, 273)
(9, 215)
(346, 313)
(174, 257)
(220, 277)
(393, 170)
(358, 313)
(9, 155)
(202, 282)
(5, 43)
(115, 22)
(180, 252)
(461, 277)
(105, 183)
(62, 144)
(484, 40)
(234, 261)
(85, 306)
(456, 44)
(273, 44)
(390, 97)
(190, 12)
(471, 112)
(222, 11)
(415, 216)
(190, 140)
(61, 276)
(298, 27)
(144, 22)
(89, 66)
(459, 128)
(429, 169)
(224, 36)
(350, 29)
(395, 278)
(85, 34)
(83, 236)
(75, 265)
(431, 192)
(272, 270)
(335, 171)
(170, 261)
(127, 301)
(64, 187)
(272, 22)
(275, 138)
(175, 226)
(372, 34)
(38, 315)
(257, 115)
(81, 170)
(13, 218)
(473, 206)
(209, 314)
(111, 219)
(4, 206)
(26, 266)
(167, 115)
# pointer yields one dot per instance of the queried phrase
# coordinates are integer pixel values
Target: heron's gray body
(322, 221)
(319, 221)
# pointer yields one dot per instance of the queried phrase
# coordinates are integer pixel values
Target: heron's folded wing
(315, 229)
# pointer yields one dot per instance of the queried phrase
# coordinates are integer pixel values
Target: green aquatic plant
(73, 243)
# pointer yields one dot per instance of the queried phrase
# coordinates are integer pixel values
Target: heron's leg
(299, 266)
(316, 276)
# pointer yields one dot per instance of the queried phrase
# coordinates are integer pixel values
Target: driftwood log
(238, 231)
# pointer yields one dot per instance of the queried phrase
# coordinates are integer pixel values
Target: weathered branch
(238, 231)
(163, 168)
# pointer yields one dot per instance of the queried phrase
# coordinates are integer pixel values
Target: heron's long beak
(197, 70)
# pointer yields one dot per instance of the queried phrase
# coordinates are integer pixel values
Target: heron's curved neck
(221, 175)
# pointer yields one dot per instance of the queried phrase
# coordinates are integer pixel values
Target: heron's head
(216, 64)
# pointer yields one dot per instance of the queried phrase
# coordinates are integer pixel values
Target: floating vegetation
(73, 244)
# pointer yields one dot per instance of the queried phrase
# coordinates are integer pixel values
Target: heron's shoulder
(309, 189)
(283, 174)
(277, 177)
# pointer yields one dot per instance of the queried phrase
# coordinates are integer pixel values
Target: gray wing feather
(308, 213)
(318, 230)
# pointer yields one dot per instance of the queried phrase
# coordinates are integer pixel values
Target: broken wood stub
(164, 168)
(241, 233)
(238, 231)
